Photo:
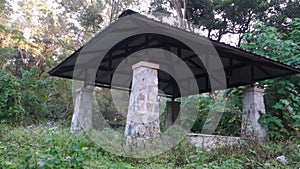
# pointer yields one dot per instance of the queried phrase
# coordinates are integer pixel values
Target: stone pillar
(83, 109)
(173, 109)
(143, 109)
(253, 103)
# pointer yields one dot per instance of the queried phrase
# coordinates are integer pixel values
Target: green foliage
(280, 15)
(44, 147)
(204, 106)
(217, 17)
(108, 107)
(158, 8)
(268, 42)
(26, 100)
(5, 9)
(231, 110)
(206, 17)
(237, 14)
(54, 147)
(91, 18)
(35, 93)
(282, 94)
(231, 122)
(275, 126)
(11, 109)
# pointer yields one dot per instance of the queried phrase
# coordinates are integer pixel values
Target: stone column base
(253, 104)
(143, 109)
(83, 110)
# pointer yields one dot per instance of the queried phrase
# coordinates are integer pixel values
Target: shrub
(53, 146)
(11, 109)
(27, 100)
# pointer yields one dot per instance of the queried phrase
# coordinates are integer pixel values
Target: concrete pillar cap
(254, 89)
(145, 64)
(84, 89)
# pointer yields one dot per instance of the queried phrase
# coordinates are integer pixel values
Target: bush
(282, 94)
(53, 146)
(11, 109)
(230, 122)
(26, 100)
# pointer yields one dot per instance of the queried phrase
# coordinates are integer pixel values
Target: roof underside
(103, 56)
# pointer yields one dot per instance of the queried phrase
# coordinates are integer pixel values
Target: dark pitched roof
(126, 13)
(134, 33)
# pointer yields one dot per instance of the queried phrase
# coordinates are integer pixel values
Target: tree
(86, 18)
(115, 7)
(201, 14)
(282, 94)
(224, 17)
(281, 12)
(31, 37)
(31, 43)
(238, 15)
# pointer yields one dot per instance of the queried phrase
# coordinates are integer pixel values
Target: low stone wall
(213, 141)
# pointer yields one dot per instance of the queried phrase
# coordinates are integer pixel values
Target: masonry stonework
(206, 141)
(83, 110)
(143, 110)
(253, 104)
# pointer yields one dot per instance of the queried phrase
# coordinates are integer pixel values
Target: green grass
(55, 147)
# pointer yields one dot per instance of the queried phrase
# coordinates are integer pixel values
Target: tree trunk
(180, 15)
(112, 11)
(209, 33)
(18, 64)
